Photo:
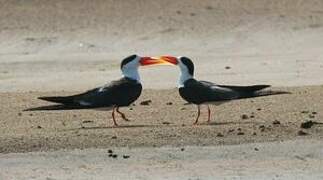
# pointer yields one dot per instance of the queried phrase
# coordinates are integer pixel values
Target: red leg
(209, 114)
(198, 114)
(122, 115)
(113, 117)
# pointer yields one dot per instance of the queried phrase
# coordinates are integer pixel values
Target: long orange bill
(145, 61)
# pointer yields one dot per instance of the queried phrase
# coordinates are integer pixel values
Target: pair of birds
(126, 90)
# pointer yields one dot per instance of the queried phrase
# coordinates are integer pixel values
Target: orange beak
(169, 59)
(166, 60)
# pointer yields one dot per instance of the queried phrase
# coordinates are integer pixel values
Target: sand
(65, 47)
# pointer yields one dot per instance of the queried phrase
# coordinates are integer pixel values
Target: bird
(205, 92)
(113, 95)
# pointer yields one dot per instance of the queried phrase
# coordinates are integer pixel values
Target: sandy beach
(66, 47)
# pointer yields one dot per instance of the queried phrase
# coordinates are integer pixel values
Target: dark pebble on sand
(169, 103)
(182, 149)
(39, 127)
(239, 129)
(114, 137)
(231, 130)
(20, 114)
(131, 109)
(110, 155)
(244, 116)
(74, 115)
(227, 67)
(262, 128)
(258, 109)
(314, 112)
(304, 112)
(252, 116)
(110, 151)
(307, 124)
(256, 149)
(114, 156)
(301, 133)
(240, 133)
(165, 122)
(254, 133)
(276, 122)
(219, 135)
(145, 103)
(126, 156)
(88, 121)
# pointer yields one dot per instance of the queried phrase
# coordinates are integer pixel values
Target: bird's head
(185, 64)
(129, 66)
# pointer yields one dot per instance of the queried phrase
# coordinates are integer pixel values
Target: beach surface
(66, 47)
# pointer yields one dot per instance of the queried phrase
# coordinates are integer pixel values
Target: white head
(129, 65)
(186, 67)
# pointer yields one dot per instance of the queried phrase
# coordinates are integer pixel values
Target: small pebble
(20, 114)
(182, 149)
(227, 67)
(110, 151)
(314, 112)
(169, 103)
(254, 133)
(39, 127)
(114, 155)
(114, 137)
(258, 109)
(219, 135)
(145, 103)
(304, 112)
(307, 124)
(302, 133)
(244, 116)
(252, 116)
(256, 149)
(126, 156)
(276, 122)
(240, 133)
(87, 121)
(165, 122)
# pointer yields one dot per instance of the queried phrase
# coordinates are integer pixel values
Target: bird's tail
(55, 107)
(67, 100)
(269, 93)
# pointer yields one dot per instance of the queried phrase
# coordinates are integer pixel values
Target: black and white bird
(113, 95)
(204, 92)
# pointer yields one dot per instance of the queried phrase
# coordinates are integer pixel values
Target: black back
(199, 92)
(117, 93)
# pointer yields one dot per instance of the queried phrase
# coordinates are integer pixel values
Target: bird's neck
(132, 74)
(183, 78)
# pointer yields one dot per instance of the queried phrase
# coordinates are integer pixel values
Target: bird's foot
(124, 118)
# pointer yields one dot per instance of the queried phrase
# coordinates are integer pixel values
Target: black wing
(203, 91)
(121, 93)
